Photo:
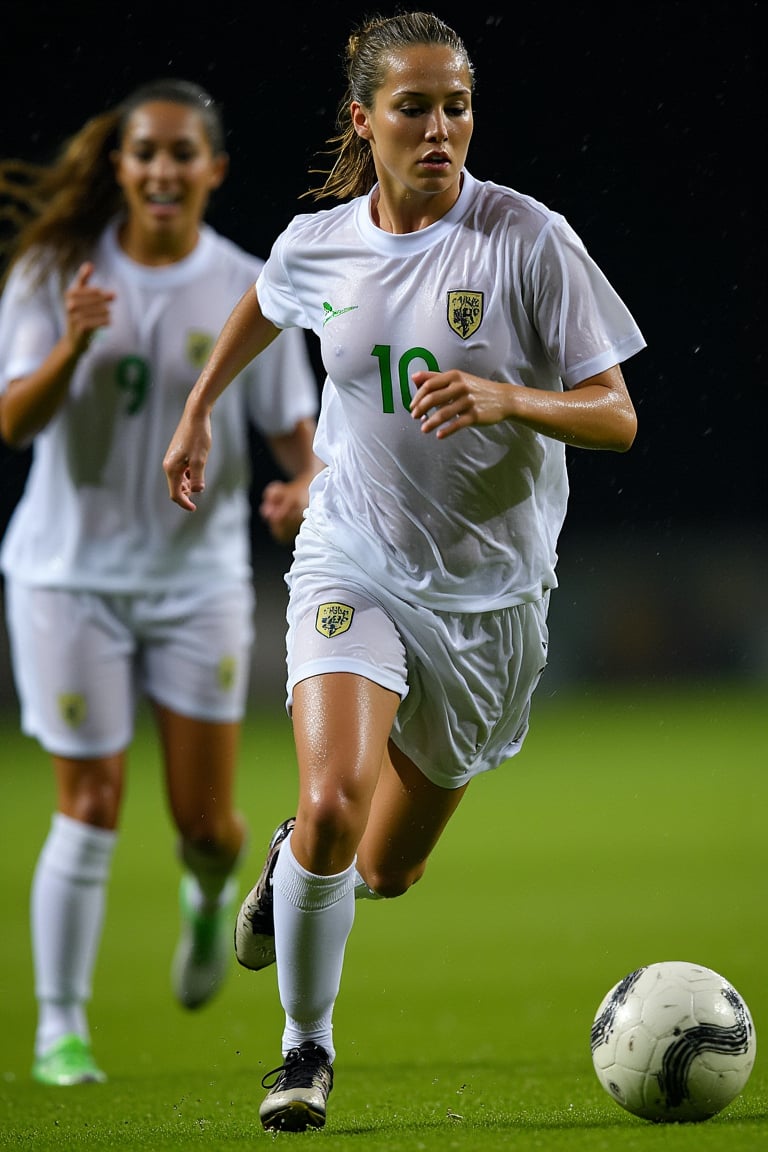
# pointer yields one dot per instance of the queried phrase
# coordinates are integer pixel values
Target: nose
(162, 165)
(437, 132)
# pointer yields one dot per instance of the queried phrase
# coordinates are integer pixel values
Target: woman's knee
(89, 791)
(329, 825)
(212, 833)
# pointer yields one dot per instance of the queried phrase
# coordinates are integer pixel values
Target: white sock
(210, 904)
(362, 891)
(67, 912)
(313, 920)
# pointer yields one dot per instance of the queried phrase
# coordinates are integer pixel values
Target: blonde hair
(368, 49)
(56, 212)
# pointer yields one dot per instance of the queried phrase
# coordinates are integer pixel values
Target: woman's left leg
(407, 817)
(200, 765)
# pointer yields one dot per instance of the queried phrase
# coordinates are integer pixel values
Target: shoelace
(299, 1070)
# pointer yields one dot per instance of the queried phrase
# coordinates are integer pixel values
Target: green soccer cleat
(68, 1061)
(203, 953)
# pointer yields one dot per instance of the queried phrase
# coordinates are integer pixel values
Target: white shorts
(465, 681)
(81, 660)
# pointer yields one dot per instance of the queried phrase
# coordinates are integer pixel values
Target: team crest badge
(465, 312)
(333, 619)
(72, 708)
(227, 672)
(199, 345)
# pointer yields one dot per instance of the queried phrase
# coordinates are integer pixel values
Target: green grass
(631, 829)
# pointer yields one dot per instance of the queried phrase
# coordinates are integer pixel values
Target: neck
(401, 210)
(155, 250)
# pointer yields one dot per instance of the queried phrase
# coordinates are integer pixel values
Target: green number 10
(382, 352)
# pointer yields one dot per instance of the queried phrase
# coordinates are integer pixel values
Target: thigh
(341, 726)
(74, 668)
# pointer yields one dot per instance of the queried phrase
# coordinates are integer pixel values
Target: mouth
(435, 161)
(163, 204)
(163, 198)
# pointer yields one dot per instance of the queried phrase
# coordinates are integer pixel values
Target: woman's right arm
(245, 333)
(31, 402)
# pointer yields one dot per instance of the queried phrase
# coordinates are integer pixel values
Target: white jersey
(95, 513)
(501, 287)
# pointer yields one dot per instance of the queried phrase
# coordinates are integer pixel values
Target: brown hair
(59, 210)
(369, 45)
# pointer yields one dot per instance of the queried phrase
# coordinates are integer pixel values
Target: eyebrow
(149, 138)
(418, 92)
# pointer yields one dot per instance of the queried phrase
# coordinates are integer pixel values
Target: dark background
(644, 125)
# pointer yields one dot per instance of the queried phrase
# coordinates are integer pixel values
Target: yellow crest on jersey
(72, 708)
(333, 619)
(465, 312)
(199, 346)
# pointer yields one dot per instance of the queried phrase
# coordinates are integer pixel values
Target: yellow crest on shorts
(465, 312)
(199, 346)
(333, 619)
(72, 708)
(227, 672)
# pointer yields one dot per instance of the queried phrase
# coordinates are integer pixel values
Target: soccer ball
(673, 1042)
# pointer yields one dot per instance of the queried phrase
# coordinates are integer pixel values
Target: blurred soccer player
(116, 291)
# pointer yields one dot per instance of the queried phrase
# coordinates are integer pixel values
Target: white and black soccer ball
(673, 1042)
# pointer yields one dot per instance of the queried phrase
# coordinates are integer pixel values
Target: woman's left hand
(444, 402)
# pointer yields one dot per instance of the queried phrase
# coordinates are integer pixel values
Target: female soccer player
(116, 292)
(468, 337)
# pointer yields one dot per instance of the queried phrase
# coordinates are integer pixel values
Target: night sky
(645, 126)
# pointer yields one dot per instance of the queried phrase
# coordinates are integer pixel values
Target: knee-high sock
(313, 920)
(67, 912)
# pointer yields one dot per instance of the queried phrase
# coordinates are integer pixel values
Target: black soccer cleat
(255, 926)
(297, 1098)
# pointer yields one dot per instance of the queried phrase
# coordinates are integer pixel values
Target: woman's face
(421, 123)
(167, 171)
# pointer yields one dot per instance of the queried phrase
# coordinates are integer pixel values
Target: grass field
(631, 829)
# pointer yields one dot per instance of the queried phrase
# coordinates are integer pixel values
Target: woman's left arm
(597, 413)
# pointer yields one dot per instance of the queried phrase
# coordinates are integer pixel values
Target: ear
(219, 169)
(360, 121)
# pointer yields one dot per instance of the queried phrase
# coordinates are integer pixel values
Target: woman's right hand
(246, 332)
(88, 308)
(184, 462)
(31, 401)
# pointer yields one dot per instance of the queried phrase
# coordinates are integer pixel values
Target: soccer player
(116, 291)
(468, 338)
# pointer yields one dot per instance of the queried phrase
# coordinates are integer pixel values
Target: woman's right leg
(67, 913)
(341, 726)
(72, 662)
